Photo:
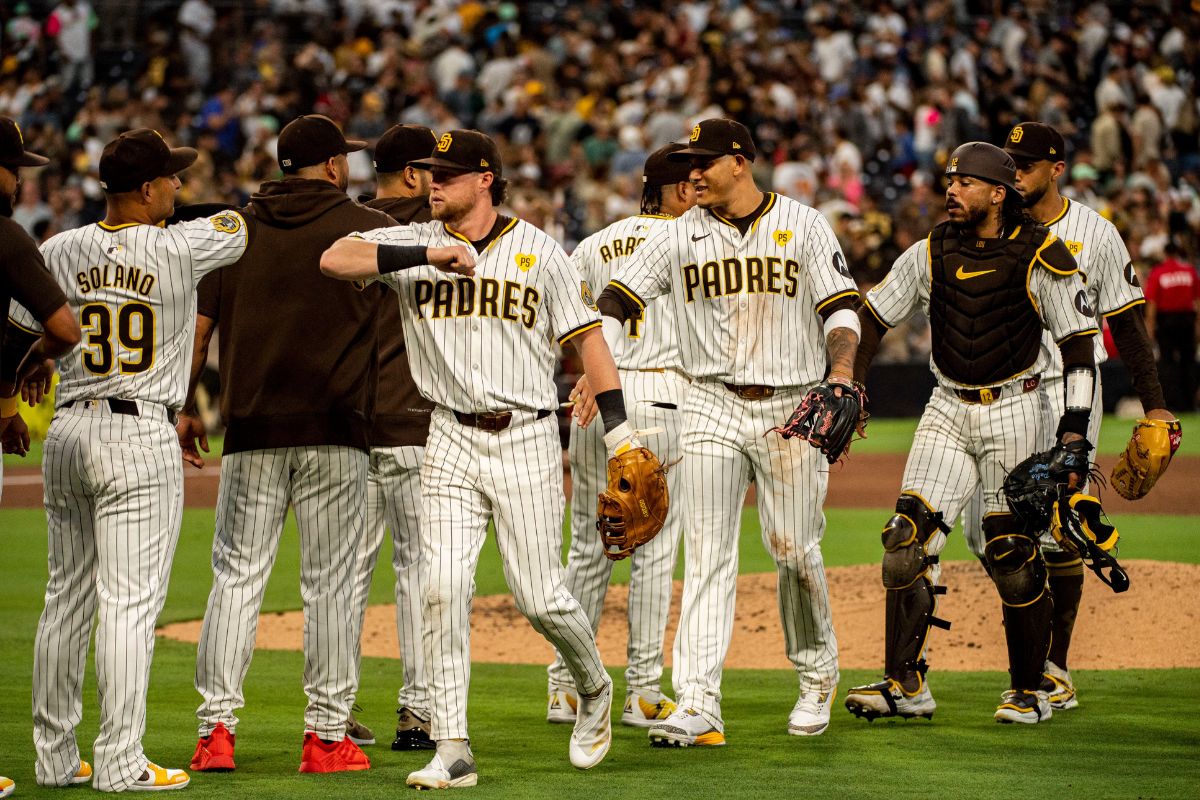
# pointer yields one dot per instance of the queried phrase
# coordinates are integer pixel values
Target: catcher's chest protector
(985, 327)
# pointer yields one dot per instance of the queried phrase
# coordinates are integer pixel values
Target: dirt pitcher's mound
(1146, 627)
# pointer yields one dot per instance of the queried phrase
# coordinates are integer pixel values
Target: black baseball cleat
(888, 699)
(412, 733)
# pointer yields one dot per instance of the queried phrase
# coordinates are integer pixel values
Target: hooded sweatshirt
(401, 414)
(298, 351)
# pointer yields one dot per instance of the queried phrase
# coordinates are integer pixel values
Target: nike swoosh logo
(696, 238)
(962, 276)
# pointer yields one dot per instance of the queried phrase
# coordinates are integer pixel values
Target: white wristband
(843, 318)
(1079, 387)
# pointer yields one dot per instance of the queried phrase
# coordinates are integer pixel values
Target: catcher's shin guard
(911, 594)
(1066, 589)
(1017, 569)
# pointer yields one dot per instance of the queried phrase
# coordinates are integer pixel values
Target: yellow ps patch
(1075, 247)
(444, 143)
(585, 294)
(226, 223)
(782, 237)
(525, 261)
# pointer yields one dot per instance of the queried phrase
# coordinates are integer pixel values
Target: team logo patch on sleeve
(782, 237)
(585, 294)
(1075, 247)
(1082, 305)
(839, 263)
(226, 223)
(525, 261)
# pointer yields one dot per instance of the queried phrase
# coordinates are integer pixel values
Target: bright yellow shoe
(158, 779)
(7, 787)
(84, 775)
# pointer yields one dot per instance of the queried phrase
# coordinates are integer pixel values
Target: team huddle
(388, 365)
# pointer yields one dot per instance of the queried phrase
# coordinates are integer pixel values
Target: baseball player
(397, 447)
(1114, 294)
(647, 357)
(298, 362)
(23, 278)
(764, 305)
(111, 463)
(990, 278)
(482, 297)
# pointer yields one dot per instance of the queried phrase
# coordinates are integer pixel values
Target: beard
(973, 218)
(451, 212)
(1033, 196)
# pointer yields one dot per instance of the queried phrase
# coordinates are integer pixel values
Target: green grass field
(1136, 734)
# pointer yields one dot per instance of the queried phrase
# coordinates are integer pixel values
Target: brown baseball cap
(463, 151)
(138, 156)
(12, 147)
(401, 144)
(312, 139)
(1035, 141)
(983, 160)
(660, 170)
(717, 137)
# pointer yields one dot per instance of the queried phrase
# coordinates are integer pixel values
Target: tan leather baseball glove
(1146, 457)
(632, 510)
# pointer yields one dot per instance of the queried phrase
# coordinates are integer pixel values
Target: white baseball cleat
(1021, 705)
(593, 729)
(562, 705)
(687, 727)
(436, 775)
(1059, 689)
(159, 779)
(888, 699)
(810, 715)
(7, 786)
(643, 709)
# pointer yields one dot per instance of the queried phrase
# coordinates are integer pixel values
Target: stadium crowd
(855, 106)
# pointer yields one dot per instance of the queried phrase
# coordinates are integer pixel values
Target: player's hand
(191, 432)
(33, 376)
(454, 259)
(14, 436)
(584, 410)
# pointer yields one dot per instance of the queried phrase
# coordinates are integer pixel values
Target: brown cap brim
(688, 152)
(354, 145)
(181, 158)
(442, 163)
(28, 159)
(1017, 152)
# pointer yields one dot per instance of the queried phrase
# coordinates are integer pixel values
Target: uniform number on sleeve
(133, 351)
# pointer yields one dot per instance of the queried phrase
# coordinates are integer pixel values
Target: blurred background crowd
(855, 106)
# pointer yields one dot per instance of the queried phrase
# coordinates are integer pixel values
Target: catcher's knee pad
(1014, 562)
(905, 537)
(911, 595)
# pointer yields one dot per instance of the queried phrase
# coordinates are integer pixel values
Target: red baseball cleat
(214, 753)
(321, 756)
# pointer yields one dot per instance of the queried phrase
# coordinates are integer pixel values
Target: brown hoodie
(298, 351)
(401, 413)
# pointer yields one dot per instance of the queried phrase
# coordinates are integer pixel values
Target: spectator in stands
(1172, 304)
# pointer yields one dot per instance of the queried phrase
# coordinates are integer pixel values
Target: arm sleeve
(1133, 343)
(215, 242)
(868, 342)
(825, 267)
(1110, 270)
(899, 294)
(647, 273)
(565, 299)
(31, 284)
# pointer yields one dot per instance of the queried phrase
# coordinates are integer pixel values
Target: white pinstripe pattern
(325, 485)
(514, 479)
(588, 570)
(394, 503)
(767, 335)
(114, 482)
(723, 450)
(114, 500)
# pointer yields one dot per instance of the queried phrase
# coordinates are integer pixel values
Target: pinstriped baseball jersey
(134, 288)
(1104, 263)
(745, 304)
(1056, 298)
(484, 343)
(650, 341)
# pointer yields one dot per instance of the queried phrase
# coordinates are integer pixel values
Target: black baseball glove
(828, 417)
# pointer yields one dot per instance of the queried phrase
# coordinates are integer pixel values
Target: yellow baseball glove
(1146, 457)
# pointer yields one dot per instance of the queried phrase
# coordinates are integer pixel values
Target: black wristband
(612, 408)
(1073, 422)
(395, 257)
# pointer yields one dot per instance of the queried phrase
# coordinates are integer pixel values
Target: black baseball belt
(990, 394)
(118, 406)
(494, 422)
